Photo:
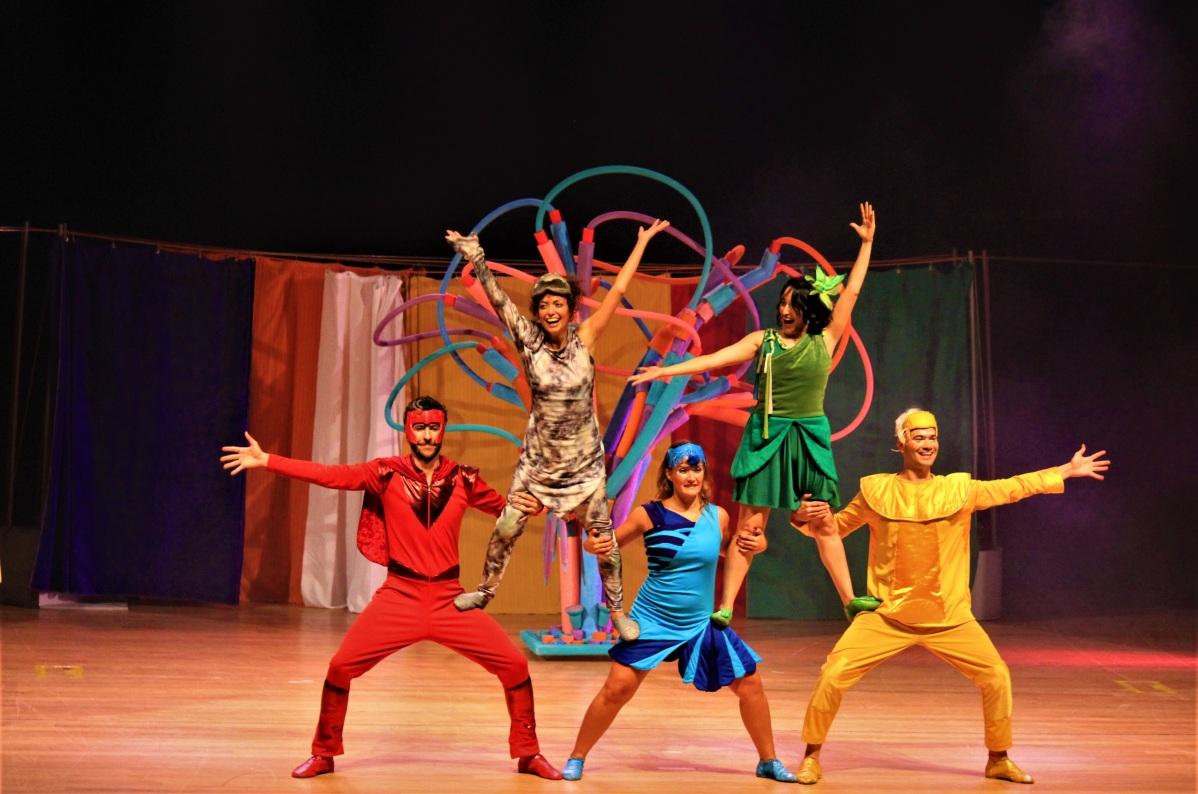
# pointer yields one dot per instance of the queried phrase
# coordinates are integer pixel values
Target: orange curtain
(287, 310)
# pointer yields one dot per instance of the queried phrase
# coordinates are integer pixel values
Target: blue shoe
(774, 770)
(573, 769)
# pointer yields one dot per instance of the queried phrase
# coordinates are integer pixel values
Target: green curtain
(914, 323)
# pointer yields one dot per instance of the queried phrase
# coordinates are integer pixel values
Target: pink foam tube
(462, 305)
(549, 254)
(869, 389)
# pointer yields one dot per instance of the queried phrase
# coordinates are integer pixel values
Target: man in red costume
(411, 520)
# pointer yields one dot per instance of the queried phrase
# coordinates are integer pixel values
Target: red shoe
(529, 765)
(316, 765)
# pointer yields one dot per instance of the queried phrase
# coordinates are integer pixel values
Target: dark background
(1058, 132)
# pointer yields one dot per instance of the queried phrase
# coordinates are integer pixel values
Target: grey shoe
(626, 627)
(467, 601)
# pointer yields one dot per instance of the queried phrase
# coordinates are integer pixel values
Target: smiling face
(919, 449)
(553, 315)
(791, 321)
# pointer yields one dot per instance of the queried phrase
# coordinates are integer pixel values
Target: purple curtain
(153, 376)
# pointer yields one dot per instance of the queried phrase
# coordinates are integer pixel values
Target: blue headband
(685, 453)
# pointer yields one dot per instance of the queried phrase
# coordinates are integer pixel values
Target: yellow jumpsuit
(919, 568)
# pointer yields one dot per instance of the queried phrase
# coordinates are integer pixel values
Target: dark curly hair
(425, 403)
(571, 300)
(810, 306)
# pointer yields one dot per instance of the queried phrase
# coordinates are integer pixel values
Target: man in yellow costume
(919, 569)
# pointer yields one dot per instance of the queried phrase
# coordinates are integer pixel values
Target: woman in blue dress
(684, 537)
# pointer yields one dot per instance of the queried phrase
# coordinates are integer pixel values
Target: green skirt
(796, 459)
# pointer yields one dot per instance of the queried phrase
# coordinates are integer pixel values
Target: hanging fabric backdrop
(153, 368)
(156, 373)
(915, 323)
(354, 378)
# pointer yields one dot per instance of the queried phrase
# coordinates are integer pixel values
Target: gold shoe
(1006, 769)
(810, 772)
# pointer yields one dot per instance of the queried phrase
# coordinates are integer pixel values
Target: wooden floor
(209, 699)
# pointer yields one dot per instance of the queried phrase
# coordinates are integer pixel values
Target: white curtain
(354, 378)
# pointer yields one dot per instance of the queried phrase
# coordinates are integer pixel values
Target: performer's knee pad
(510, 524)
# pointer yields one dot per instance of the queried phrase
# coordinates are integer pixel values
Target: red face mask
(414, 418)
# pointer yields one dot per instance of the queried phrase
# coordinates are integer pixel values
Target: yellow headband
(919, 419)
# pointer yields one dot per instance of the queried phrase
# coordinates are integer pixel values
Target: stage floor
(211, 699)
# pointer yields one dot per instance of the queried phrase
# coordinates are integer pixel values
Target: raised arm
(842, 313)
(735, 353)
(593, 326)
(472, 251)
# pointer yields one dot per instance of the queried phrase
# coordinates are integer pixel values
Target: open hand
(241, 458)
(646, 374)
(466, 245)
(1083, 465)
(866, 228)
(644, 235)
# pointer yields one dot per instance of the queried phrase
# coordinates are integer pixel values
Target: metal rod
(988, 391)
(974, 385)
(369, 260)
(17, 340)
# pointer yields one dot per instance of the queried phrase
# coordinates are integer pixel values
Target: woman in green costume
(785, 455)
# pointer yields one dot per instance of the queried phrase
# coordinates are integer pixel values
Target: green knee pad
(865, 603)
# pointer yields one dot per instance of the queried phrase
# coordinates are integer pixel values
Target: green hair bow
(823, 285)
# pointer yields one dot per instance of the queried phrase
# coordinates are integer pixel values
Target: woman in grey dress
(562, 459)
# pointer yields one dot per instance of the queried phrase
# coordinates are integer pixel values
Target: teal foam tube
(561, 241)
(713, 388)
(388, 411)
(507, 394)
(494, 431)
(500, 364)
(721, 297)
(657, 177)
(665, 404)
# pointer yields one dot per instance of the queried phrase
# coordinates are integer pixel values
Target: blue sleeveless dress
(673, 606)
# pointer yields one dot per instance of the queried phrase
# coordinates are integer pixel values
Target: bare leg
(831, 554)
(755, 714)
(621, 684)
(750, 519)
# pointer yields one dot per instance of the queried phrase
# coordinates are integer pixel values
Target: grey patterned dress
(562, 461)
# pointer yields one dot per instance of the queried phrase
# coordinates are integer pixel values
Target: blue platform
(532, 638)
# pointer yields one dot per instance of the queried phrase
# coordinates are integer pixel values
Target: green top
(791, 381)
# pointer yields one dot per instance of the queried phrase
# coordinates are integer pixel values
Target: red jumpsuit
(417, 539)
